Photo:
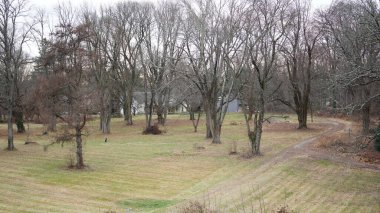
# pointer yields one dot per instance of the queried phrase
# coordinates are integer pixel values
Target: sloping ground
(159, 173)
(302, 179)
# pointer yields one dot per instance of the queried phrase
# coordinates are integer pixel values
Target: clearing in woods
(161, 173)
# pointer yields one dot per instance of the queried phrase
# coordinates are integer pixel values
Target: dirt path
(305, 147)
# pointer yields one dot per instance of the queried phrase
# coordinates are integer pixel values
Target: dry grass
(155, 173)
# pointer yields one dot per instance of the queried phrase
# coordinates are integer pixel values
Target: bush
(195, 207)
(377, 139)
(153, 130)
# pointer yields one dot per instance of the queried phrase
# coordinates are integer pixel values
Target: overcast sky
(50, 4)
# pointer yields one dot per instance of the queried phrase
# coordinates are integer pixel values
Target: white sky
(50, 4)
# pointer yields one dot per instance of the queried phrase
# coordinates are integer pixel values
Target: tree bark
(19, 118)
(10, 129)
(52, 125)
(208, 121)
(128, 114)
(105, 112)
(366, 118)
(105, 121)
(196, 122)
(125, 108)
(192, 116)
(258, 120)
(302, 116)
(160, 115)
(216, 131)
(79, 152)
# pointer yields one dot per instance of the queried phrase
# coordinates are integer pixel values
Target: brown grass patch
(332, 141)
(370, 156)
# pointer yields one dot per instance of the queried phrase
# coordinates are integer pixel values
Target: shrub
(153, 130)
(283, 209)
(195, 207)
(377, 139)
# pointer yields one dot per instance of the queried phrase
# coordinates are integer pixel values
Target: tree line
(202, 54)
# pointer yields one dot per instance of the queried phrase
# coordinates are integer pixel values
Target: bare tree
(215, 50)
(298, 52)
(128, 21)
(351, 26)
(101, 62)
(268, 21)
(68, 58)
(159, 57)
(13, 36)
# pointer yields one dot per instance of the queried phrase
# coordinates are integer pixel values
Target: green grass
(146, 204)
(148, 173)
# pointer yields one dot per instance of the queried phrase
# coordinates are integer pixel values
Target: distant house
(234, 106)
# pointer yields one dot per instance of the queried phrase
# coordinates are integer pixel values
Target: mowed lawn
(161, 173)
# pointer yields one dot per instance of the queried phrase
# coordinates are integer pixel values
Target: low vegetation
(148, 173)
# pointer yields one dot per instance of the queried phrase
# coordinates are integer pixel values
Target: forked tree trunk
(192, 116)
(196, 122)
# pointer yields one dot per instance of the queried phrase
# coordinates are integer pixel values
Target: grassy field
(162, 173)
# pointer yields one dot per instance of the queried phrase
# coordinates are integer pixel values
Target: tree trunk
(125, 109)
(128, 114)
(302, 119)
(79, 152)
(160, 115)
(216, 133)
(1, 116)
(255, 136)
(366, 118)
(105, 121)
(19, 118)
(161, 106)
(149, 110)
(196, 122)
(311, 112)
(208, 119)
(258, 132)
(192, 116)
(128, 111)
(105, 112)
(52, 125)
(10, 129)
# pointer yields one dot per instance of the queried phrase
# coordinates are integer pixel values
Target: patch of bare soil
(3, 132)
(342, 146)
(358, 148)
